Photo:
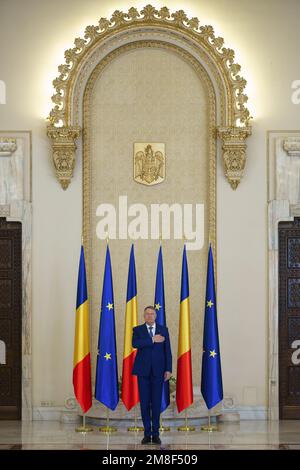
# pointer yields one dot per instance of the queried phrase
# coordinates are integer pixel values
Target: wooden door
(10, 319)
(289, 319)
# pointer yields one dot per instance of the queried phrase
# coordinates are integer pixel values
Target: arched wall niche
(232, 116)
(227, 122)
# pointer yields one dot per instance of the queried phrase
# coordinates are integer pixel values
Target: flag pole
(209, 427)
(107, 428)
(135, 428)
(163, 428)
(186, 427)
(83, 429)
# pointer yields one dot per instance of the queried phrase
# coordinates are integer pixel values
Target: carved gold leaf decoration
(234, 152)
(63, 144)
(147, 16)
(233, 130)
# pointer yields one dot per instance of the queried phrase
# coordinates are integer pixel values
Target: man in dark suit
(152, 365)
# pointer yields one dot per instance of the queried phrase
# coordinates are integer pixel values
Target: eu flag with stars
(106, 390)
(159, 304)
(211, 380)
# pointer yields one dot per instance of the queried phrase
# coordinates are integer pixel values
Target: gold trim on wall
(220, 60)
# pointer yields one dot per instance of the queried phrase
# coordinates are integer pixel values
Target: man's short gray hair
(150, 307)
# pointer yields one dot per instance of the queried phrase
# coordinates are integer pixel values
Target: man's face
(149, 316)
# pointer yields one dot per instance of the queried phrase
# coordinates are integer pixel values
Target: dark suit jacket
(151, 356)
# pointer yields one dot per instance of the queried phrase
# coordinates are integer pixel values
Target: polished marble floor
(243, 435)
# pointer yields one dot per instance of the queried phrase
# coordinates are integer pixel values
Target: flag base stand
(186, 427)
(83, 429)
(135, 428)
(107, 429)
(209, 427)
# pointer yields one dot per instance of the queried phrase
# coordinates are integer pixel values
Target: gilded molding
(219, 59)
(234, 152)
(64, 147)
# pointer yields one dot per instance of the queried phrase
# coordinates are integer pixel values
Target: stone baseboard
(169, 417)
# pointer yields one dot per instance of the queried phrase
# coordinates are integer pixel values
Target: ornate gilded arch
(65, 120)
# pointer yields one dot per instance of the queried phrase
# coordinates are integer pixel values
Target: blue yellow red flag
(130, 392)
(82, 359)
(184, 380)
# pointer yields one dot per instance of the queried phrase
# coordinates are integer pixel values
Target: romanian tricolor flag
(130, 392)
(82, 358)
(184, 382)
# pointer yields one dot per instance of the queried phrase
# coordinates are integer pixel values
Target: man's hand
(167, 376)
(158, 339)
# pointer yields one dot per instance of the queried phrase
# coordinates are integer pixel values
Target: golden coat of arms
(149, 163)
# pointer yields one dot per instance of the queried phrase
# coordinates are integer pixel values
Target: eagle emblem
(149, 163)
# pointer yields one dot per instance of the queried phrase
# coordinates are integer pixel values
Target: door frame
(20, 210)
(285, 411)
(281, 146)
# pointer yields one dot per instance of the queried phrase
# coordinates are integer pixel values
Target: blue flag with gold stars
(211, 380)
(159, 304)
(106, 390)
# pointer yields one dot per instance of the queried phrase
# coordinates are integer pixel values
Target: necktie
(150, 331)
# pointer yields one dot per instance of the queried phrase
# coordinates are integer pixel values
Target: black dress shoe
(146, 440)
(156, 440)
